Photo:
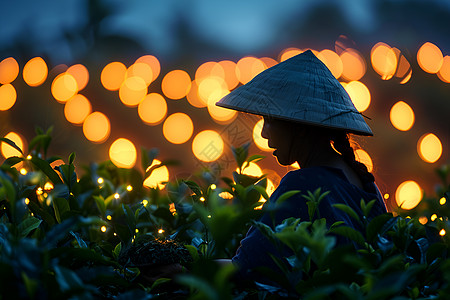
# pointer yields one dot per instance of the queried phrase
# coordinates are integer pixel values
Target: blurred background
(115, 77)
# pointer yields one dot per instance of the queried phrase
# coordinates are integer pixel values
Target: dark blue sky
(237, 26)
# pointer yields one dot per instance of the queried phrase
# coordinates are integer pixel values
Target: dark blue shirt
(255, 247)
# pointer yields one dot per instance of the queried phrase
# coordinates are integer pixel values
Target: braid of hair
(342, 144)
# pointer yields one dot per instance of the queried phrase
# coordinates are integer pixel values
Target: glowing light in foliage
(193, 96)
(153, 63)
(141, 70)
(333, 62)
(178, 128)
(8, 96)
(364, 157)
(288, 53)
(402, 116)
(152, 109)
(354, 66)
(9, 69)
(96, 127)
(359, 94)
(384, 60)
(248, 67)
(122, 153)
(81, 75)
(113, 75)
(35, 71)
(64, 87)
(77, 109)
(252, 170)
(230, 78)
(429, 148)
(408, 194)
(444, 71)
(430, 58)
(157, 177)
(207, 146)
(260, 142)
(8, 150)
(219, 114)
(132, 91)
(176, 84)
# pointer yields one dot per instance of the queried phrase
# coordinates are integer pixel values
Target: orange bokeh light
(122, 153)
(384, 60)
(152, 109)
(96, 127)
(260, 142)
(9, 69)
(430, 58)
(208, 69)
(158, 177)
(359, 94)
(207, 146)
(113, 75)
(7, 150)
(268, 62)
(35, 71)
(8, 96)
(333, 62)
(81, 75)
(132, 91)
(248, 67)
(354, 66)
(153, 63)
(77, 109)
(178, 128)
(193, 97)
(176, 84)
(444, 71)
(229, 68)
(402, 116)
(364, 157)
(141, 70)
(64, 87)
(288, 53)
(429, 148)
(408, 194)
(219, 114)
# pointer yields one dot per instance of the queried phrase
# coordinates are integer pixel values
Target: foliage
(63, 235)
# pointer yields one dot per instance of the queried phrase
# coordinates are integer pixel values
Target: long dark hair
(341, 142)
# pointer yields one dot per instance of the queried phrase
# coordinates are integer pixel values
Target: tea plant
(103, 234)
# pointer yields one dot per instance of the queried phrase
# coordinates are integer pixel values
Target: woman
(308, 117)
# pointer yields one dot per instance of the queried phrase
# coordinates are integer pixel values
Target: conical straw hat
(300, 89)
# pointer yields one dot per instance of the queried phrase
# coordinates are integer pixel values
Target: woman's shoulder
(314, 175)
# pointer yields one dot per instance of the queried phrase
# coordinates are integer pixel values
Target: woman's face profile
(279, 134)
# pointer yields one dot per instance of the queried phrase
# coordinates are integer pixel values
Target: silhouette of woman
(308, 117)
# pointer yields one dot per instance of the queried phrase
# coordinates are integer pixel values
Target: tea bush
(104, 235)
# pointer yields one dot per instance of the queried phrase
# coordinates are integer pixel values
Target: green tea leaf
(348, 210)
(350, 233)
(286, 196)
(100, 202)
(46, 169)
(60, 205)
(11, 143)
(27, 225)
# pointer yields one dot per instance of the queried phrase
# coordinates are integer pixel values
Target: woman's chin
(281, 160)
